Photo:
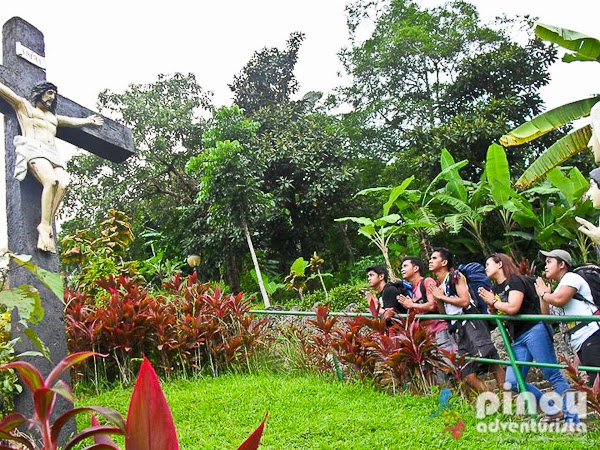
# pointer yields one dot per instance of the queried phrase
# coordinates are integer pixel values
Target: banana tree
(572, 187)
(420, 219)
(551, 223)
(583, 48)
(417, 218)
(467, 202)
(382, 229)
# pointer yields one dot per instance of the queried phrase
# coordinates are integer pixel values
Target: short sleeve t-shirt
(389, 298)
(575, 307)
(515, 283)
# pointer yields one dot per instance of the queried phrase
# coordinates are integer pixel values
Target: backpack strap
(578, 271)
(423, 290)
(580, 325)
(578, 296)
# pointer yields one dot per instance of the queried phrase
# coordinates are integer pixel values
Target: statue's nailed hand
(95, 120)
(589, 229)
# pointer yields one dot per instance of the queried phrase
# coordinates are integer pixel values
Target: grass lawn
(310, 412)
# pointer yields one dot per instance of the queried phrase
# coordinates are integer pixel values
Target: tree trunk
(233, 273)
(391, 273)
(261, 285)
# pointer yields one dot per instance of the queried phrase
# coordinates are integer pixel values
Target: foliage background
(425, 79)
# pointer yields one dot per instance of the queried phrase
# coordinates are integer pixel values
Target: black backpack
(532, 294)
(405, 288)
(591, 274)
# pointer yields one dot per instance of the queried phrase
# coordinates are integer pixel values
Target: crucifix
(35, 175)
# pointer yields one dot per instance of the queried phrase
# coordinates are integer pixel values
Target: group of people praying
(447, 292)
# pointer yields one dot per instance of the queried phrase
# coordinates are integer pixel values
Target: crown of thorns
(42, 87)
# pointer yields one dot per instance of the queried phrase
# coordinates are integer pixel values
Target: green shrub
(354, 273)
(339, 298)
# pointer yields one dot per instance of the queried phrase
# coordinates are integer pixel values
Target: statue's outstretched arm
(94, 120)
(589, 229)
(16, 101)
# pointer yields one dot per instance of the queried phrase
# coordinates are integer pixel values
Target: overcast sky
(108, 46)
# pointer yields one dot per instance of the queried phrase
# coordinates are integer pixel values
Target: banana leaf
(548, 121)
(455, 182)
(520, 234)
(585, 48)
(371, 190)
(454, 223)
(396, 192)
(459, 206)
(358, 220)
(571, 186)
(498, 174)
(559, 152)
(390, 218)
(442, 175)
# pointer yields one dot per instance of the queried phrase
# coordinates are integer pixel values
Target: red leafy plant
(189, 327)
(592, 392)
(149, 424)
(392, 352)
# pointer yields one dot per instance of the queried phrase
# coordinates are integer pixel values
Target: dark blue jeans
(536, 345)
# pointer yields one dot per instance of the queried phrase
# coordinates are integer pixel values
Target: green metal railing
(499, 319)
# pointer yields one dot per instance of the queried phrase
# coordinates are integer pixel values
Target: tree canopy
(273, 171)
(167, 129)
(427, 79)
(268, 77)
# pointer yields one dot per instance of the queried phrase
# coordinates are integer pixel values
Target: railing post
(531, 409)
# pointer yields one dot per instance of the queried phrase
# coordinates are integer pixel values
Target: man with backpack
(422, 300)
(572, 297)
(387, 292)
(472, 336)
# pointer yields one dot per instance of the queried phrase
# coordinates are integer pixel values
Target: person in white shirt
(563, 301)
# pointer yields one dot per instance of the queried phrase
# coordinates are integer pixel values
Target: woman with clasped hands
(531, 341)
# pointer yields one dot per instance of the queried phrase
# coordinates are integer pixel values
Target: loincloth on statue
(27, 149)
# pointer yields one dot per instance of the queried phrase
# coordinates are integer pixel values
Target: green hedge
(339, 298)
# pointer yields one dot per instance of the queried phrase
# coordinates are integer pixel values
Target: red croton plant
(149, 424)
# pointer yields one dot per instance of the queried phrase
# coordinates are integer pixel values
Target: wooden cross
(23, 67)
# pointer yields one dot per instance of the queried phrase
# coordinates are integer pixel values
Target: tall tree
(167, 130)
(230, 180)
(268, 77)
(426, 79)
(311, 171)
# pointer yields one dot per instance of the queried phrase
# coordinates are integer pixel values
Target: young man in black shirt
(387, 293)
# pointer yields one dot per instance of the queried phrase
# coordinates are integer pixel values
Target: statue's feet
(46, 238)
